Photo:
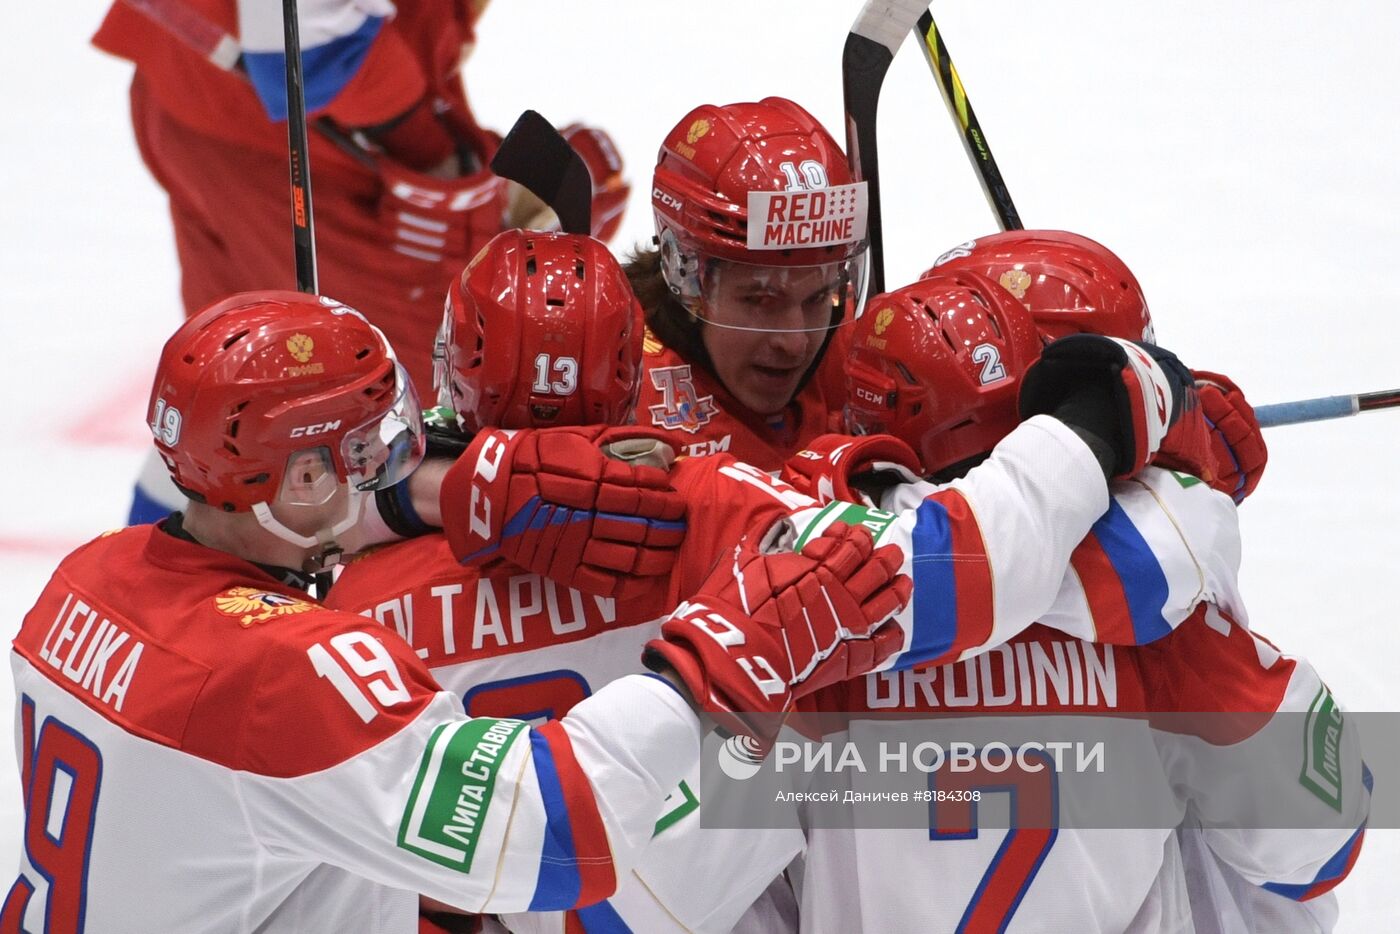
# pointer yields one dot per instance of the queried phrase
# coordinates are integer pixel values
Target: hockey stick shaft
(1325, 407)
(303, 220)
(960, 109)
(874, 38)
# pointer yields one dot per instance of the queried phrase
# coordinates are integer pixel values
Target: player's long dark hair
(666, 317)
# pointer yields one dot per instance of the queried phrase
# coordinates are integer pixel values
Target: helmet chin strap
(325, 539)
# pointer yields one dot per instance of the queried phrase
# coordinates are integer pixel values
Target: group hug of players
(707, 489)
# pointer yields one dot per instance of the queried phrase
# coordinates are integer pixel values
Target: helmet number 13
(563, 369)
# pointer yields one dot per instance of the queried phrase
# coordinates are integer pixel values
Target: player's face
(765, 326)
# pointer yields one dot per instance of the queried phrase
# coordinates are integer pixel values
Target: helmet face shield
(309, 479)
(751, 297)
(384, 450)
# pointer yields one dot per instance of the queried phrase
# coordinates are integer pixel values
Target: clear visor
(377, 454)
(747, 297)
(385, 450)
(864, 422)
(442, 362)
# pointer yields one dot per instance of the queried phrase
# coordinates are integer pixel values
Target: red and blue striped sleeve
(354, 63)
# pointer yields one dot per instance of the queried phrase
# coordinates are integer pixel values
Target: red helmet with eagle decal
(938, 365)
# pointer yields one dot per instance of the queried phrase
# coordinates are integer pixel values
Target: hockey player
(939, 364)
(203, 748)
(537, 332)
(742, 312)
(1074, 285)
(403, 193)
(543, 330)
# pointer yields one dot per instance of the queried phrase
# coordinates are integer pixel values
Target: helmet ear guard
(680, 269)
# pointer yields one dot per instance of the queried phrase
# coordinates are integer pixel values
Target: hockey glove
(1187, 446)
(1124, 394)
(553, 503)
(769, 628)
(1237, 439)
(824, 469)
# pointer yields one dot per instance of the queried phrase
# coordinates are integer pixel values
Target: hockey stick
(960, 109)
(303, 221)
(535, 156)
(874, 39)
(999, 199)
(1320, 409)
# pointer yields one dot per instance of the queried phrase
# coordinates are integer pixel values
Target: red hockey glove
(1123, 393)
(767, 629)
(610, 189)
(1240, 452)
(1187, 446)
(435, 219)
(553, 503)
(824, 468)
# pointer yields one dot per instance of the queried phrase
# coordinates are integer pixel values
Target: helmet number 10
(809, 173)
(564, 371)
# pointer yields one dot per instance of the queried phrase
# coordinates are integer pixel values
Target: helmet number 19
(165, 423)
(809, 173)
(565, 371)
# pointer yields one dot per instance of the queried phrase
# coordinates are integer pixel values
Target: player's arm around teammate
(173, 677)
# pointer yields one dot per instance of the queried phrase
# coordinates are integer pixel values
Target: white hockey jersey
(512, 644)
(204, 750)
(953, 874)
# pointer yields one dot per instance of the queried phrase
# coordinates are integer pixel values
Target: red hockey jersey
(701, 418)
(202, 749)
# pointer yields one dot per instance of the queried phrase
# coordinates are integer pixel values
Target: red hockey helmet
(772, 157)
(1070, 283)
(261, 386)
(938, 365)
(540, 329)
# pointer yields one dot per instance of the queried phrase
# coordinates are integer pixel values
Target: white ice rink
(1243, 157)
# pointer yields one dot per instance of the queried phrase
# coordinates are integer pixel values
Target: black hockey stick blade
(874, 38)
(979, 152)
(534, 155)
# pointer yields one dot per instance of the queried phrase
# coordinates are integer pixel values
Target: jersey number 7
(1034, 810)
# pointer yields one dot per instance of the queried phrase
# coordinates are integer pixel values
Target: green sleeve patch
(1322, 741)
(1185, 479)
(679, 803)
(876, 520)
(451, 795)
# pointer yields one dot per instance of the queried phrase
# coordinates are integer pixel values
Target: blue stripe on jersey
(1330, 870)
(326, 69)
(558, 884)
(1335, 866)
(935, 601)
(602, 918)
(1139, 571)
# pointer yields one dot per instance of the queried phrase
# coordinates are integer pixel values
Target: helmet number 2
(565, 371)
(992, 369)
(809, 173)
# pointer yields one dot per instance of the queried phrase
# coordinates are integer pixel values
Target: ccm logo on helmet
(320, 428)
(666, 198)
(867, 395)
